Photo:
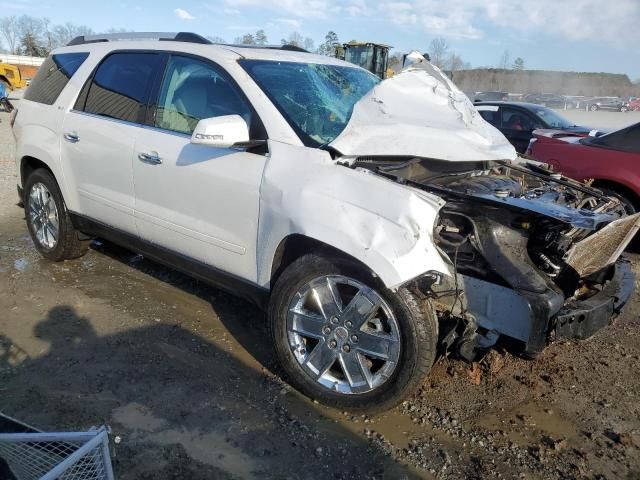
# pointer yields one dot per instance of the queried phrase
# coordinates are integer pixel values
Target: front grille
(604, 247)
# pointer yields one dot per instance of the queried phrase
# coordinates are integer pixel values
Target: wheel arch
(620, 188)
(296, 245)
(29, 164)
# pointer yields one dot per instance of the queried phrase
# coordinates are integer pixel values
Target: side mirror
(221, 132)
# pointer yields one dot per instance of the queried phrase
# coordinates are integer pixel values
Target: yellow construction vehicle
(10, 76)
(370, 56)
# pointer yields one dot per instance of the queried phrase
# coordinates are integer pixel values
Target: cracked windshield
(317, 100)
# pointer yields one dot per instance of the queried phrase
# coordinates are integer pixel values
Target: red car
(634, 104)
(611, 160)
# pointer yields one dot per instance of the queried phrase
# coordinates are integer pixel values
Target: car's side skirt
(194, 268)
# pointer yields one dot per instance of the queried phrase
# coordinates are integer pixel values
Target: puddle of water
(21, 264)
(211, 448)
(397, 428)
(526, 422)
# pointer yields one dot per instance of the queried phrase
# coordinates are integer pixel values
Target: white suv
(378, 223)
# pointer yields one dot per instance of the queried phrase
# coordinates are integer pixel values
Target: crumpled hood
(421, 113)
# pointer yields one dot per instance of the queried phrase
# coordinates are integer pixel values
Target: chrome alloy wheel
(43, 216)
(343, 334)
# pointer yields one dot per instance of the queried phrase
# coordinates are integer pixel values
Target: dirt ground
(185, 375)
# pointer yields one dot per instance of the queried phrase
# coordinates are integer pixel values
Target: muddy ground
(185, 375)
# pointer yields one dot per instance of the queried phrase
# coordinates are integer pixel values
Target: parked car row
(565, 102)
(605, 103)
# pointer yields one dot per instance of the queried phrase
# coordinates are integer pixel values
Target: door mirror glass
(221, 132)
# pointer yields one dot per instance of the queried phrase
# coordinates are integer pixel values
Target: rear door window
(121, 86)
(53, 76)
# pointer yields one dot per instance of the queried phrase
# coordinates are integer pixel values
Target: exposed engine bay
(537, 255)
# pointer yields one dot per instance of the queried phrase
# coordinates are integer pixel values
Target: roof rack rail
(294, 48)
(291, 48)
(160, 36)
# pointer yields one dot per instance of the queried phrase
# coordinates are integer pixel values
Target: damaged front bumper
(581, 319)
(534, 320)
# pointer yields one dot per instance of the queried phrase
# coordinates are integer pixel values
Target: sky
(568, 35)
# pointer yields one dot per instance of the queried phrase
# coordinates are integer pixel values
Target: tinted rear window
(53, 76)
(121, 85)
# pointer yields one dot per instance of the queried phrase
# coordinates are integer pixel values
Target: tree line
(296, 39)
(541, 81)
(36, 36)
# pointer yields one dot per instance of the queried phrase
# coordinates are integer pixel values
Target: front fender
(386, 226)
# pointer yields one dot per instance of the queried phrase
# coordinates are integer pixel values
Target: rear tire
(378, 383)
(593, 108)
(48, 220)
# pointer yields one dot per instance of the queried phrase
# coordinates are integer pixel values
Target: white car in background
(378, 223)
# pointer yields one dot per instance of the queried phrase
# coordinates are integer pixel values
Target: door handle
(72, 137)
(151, 158)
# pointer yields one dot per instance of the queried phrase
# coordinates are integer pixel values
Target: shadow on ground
(184, 407)
(243, 320)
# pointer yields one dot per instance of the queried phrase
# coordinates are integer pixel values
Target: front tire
(345, 340)
(593, 108)
(48, 221)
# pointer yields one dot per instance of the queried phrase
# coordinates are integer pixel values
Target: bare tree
(38, 36)
(295, 39)
(503, 65)
(63, 34)
(33, 26)
(246, 39)
(454, 62)
(309, 44)
(47, 34)
(215, 39)
(504, 60)
(9, 30)
(261, 37)
(438, 50)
